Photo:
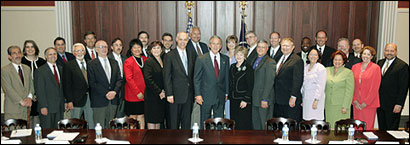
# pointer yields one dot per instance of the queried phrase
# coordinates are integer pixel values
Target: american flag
(189, 24)
(242, 40)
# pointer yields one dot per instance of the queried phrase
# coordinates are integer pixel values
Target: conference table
(136, 136)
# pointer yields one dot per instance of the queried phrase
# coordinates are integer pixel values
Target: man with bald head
(194, 44)
(393, 88)
(105, 81)
(344, 46)
(178, 80)
(357, 46)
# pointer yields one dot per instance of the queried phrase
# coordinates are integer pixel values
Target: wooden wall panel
(124, 19)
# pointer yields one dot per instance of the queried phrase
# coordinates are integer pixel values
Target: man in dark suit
(357, 46)
(194, 44)
(200, 49)
(344, 46)
(263, 89)
(167, 40)
(144, 38)
(178, 79)
(288, 81)
(393, 88)
(306, 43)
(49, 90)
(104, 78)
(75, 84)
(251, 40)
(63, 57)
(89, 40)
(211, 81)
(117, 47)
(274, 50)
(325, 51)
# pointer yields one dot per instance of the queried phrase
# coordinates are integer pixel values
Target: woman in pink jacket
(367, 77)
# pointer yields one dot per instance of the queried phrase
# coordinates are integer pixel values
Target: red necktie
(56, 75)
(21, 75)
(65, 60)
(216, 67)
(93, 55)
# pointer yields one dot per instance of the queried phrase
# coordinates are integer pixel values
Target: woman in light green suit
(339, 89)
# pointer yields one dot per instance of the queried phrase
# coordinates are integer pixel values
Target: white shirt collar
(251, 49)
(218, 58)
(16, 66)
(116, 56)
(322, 48)
(52, 68)
(274, 50)
(79, 63)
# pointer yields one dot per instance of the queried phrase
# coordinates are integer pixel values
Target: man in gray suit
(211, 82)
(263, 89)
(17, 85)
(49, 90)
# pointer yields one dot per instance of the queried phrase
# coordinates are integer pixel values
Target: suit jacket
(15, 91)
(203, 46)
(352, 60)
(394, 84)
(212, 89)
(74, 84)
(264, 79)
(339, 88)
(68, 55)
(368, 90)
(123, 58)
(153, 76)
(135, 79)
(252, 57)
(278, 54)
(87, 56)
(177, 83)
(241, 82)
(49, 94)
(289, 80)
(327, 53)
(99, 85)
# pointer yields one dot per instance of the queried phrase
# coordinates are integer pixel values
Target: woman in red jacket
(367, 78)
(135, 84)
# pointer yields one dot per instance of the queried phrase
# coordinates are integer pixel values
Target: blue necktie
(257, 63)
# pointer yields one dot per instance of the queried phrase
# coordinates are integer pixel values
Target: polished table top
(135, 136)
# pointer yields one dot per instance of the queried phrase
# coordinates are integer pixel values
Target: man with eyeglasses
(251, 40)
(104, 79)
(75, 86)
(167, 40)
(344, 46)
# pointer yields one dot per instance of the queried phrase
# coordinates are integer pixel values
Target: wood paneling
(27, 3)
(296, 19)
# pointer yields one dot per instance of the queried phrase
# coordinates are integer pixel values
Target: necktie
(198, 50)
(107, 70)
(256, 63)
(65, 60)
(92, 55)
(21, 75)
(216, 67)
(121, 69)
(273, 53)
(56, 75)
(84, 71)
(280, 65)
(185, 62)
(386, 67)
(320, 50)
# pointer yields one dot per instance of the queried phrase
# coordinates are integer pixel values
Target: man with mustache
(17, 85)
(393, 88)
(75, 86)
(117, 47)
(306, 43)
(144, 38)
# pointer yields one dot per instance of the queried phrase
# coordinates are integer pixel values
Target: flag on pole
(242, 39)
(189, 24)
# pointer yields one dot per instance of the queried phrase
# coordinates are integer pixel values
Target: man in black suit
(393, 88)
(178, 79)
(63, 57)
(75, 84)
(144, 38)
(211, 81)
(288, 82)
(306, 43)
(274, 50)
(200, 49)
(89, 40)
(117, 47)
(251, 40)
(325, 51)
(104, 78)
(49, 90)
(194, 44)
(357, 47)
(167, 40)
(344, 46)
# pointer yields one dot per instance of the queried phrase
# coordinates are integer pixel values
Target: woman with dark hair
(313, 88)
(231, 43)
(367, 78)
(155, 101)
(31, 59)
(135, 84)
(339, 89)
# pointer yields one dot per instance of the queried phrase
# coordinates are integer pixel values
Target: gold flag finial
(243, 5)
(189, 4)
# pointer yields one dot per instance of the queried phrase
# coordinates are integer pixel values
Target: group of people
(166, 87)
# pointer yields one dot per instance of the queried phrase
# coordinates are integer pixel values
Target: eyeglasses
(101, 47)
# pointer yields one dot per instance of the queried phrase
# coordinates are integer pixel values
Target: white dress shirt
(79, 63)
(102, 60)
(218, 59)
(117, 57)
(16, 66)
(273, 51)
(196, 44)
(251, 49)
(387, 64)
(181, 55)
(321, 48)
(90, 52)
